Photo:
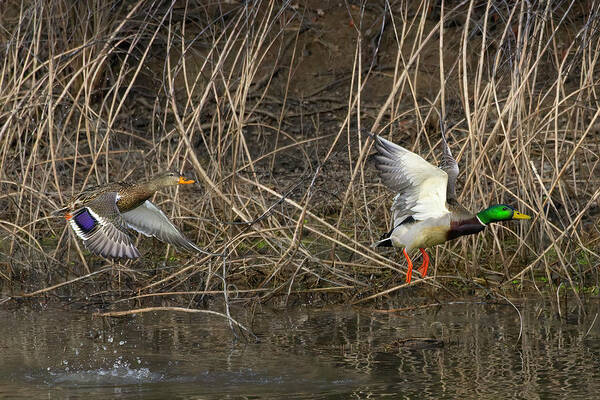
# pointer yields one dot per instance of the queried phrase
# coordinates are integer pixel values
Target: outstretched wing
(421, 186)
(151, 221)
(103, 235)
(450, 166)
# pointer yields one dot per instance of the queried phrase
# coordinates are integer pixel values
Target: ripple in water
(120, 373)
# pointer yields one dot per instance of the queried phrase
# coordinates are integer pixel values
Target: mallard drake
(425, 209)
(100, 216)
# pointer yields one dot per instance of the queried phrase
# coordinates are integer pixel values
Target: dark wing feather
(450, 166)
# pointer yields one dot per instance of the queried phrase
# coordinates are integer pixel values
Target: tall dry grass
(263, 102)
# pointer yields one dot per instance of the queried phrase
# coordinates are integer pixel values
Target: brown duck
(101, 215)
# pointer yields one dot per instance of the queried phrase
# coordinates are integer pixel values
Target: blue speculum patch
(85, 221)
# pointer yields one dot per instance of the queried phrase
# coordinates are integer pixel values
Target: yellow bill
(518, 215)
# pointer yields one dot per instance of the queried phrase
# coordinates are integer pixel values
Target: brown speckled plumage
(101, 215)
(133, 196)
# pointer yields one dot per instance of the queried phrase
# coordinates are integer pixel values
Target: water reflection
(302, 353)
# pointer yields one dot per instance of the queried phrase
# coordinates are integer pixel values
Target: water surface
(331, 353)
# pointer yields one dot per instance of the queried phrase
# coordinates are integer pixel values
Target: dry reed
(264, 102)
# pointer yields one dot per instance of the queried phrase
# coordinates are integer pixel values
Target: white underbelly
(426, 233)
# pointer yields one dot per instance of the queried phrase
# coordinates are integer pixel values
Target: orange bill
(183, 181)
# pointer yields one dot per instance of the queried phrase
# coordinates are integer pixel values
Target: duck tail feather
(385, 240)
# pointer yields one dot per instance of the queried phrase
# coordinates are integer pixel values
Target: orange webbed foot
(423, 267)
(410, 266)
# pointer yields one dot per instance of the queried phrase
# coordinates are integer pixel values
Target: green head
(500, 212)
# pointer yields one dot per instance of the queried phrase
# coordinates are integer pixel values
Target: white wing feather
(151, 221)
(421, 186)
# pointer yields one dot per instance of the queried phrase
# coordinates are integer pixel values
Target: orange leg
(423, 267)
(410, 267)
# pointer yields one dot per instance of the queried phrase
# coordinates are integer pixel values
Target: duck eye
(505, 208)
